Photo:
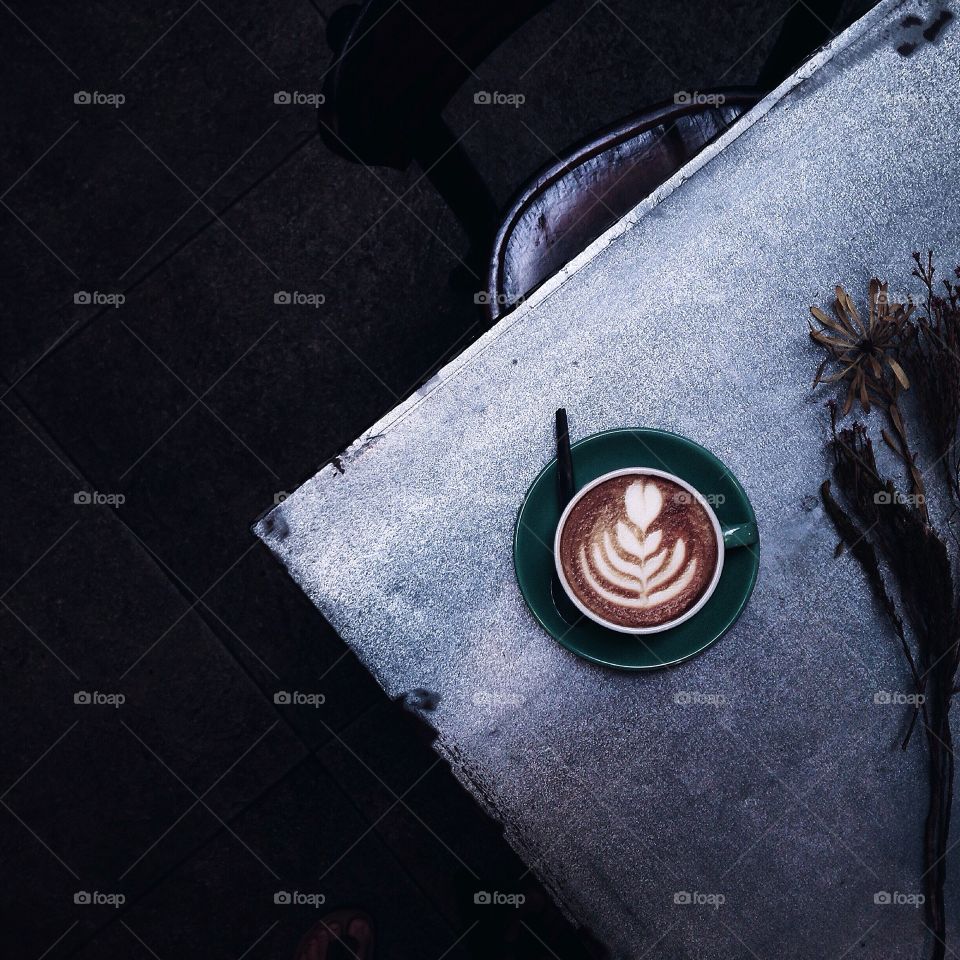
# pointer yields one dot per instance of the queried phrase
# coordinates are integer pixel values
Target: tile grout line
(168, 576)
(186, 858)
(79, 327)
(375, 824)
(315, 7)
(310, 752)
(171, 579)
(310, 755)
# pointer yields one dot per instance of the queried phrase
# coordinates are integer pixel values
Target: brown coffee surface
(638, 550)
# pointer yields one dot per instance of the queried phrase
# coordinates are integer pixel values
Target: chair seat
(573, 201)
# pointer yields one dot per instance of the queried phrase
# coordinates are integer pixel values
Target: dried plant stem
(902, 449)
(885, 530)
(861, 548)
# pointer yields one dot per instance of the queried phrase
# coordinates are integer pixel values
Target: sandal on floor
(345, 934)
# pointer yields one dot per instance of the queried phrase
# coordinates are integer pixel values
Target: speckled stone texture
(760, 781)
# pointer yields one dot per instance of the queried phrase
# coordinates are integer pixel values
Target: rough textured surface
(779, 789)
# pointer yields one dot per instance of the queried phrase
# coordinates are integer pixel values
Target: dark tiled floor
(198, 402)
(111, 190)
(384, 761)
(309, 840)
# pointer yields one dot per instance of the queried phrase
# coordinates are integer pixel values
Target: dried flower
(864, 352)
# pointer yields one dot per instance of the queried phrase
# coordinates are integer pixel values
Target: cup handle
(739, 535)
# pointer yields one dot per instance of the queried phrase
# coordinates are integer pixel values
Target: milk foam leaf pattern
(644, 503)
(626, 566)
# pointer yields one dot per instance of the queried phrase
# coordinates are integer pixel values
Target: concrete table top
(752, 802)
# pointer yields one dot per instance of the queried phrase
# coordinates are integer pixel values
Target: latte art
(648, 577)
(638, 550)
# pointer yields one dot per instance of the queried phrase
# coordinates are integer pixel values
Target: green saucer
(613, 450)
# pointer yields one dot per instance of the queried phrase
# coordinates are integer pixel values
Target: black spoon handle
(566, 488)
(565, 482)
